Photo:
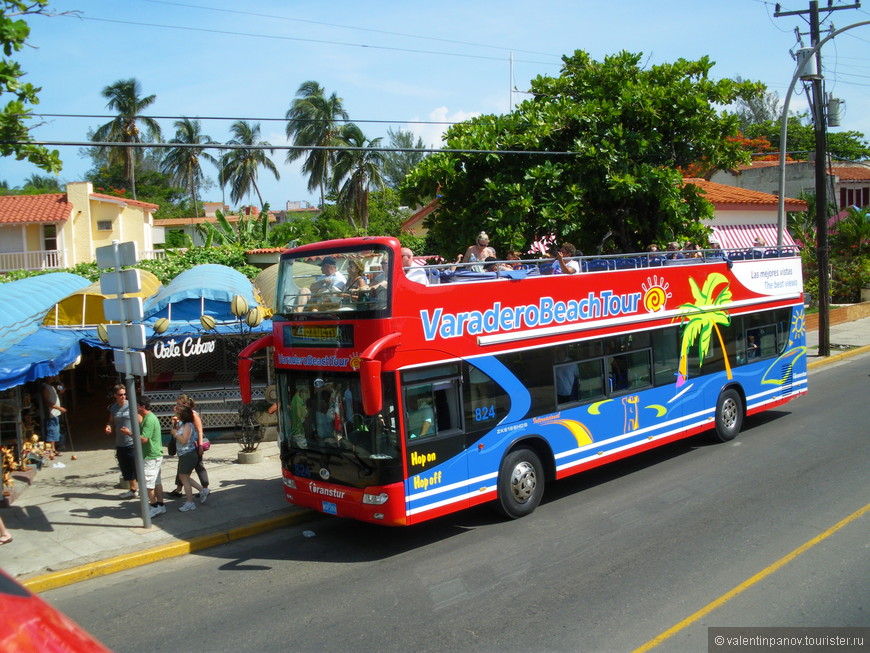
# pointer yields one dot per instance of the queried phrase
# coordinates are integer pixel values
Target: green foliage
(17, 97)
(125, 98)
(302, 230)
(183, 163)
(356, 171)
(314, 119)
(846, 145)
(177, 262)
(177, 239)
(240, 167)
(618, 134)
(247, 232)
(89, 271)
(397, 165)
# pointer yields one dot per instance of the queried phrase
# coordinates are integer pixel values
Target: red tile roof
(129, 202)
(724, 197)
(852, 174)
(34, 209)
(182, 222)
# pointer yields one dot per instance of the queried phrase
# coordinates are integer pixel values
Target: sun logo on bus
(655, 295)
(355, 361)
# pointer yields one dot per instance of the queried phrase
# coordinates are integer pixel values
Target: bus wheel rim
(729, 413)
(523, 482)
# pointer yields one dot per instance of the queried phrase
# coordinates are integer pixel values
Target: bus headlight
(375, 499)
(289, 482)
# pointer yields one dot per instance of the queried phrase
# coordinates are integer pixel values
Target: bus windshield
(353, 281)
(323, 413)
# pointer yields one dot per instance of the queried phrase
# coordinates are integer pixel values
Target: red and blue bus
(403, 399)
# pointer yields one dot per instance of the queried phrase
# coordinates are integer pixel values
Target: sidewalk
(71, 525)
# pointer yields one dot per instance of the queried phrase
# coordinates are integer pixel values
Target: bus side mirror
(370, 382)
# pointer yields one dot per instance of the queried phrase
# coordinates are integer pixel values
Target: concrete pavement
(71, 524)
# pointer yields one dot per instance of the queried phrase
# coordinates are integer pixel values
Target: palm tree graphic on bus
(700, 321)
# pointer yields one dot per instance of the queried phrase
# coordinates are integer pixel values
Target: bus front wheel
(520, 483)
(729, 415)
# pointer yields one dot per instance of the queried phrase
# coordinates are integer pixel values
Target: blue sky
(396, 64)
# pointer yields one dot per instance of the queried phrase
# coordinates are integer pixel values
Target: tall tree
(606, 141)
(183, 163)
(755, 109)
(408, 153)
(125, 97)
(240, 166)
(15, 111)
(355, 172)
(313, 119)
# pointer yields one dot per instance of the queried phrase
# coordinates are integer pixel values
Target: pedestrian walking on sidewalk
(152, 454)
(5, 537)
(186, 439)
(120, 425)
(201, 472)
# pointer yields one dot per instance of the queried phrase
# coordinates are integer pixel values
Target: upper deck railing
(503, 269)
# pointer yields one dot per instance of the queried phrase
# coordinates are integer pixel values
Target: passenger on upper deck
(674, 251)
(566, 267)
(413, 271)
(480, 250)
(516, 262)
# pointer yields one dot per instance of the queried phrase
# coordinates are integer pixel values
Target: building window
(49, 237)
(104, 225)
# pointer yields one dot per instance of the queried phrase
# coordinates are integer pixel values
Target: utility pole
(821, 176)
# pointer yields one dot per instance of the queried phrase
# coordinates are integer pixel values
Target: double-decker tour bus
(403, 398)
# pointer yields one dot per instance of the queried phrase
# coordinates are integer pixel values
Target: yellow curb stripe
(65, 577)
(819, 362)
(764, 573)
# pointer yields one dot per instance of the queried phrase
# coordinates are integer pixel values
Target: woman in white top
(480, 250)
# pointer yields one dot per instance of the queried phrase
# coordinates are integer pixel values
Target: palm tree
(313, 120)
(408, 153)
(183, 163)
(43, 183)
(239, 167)
(124, 97)
(702, 321)
(354, 173)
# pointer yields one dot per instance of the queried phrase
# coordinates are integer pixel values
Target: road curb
(54, 580)
(821, 362)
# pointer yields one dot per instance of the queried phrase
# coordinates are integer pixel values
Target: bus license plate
(330, 508)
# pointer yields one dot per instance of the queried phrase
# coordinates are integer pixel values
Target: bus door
(434, 441)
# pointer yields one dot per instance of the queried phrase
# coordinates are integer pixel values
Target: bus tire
(520, 483)
(729, 415)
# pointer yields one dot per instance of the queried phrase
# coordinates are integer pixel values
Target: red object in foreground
(30, 625)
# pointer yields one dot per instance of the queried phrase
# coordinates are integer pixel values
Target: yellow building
(59, 230)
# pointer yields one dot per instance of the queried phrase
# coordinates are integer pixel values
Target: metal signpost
(126, 337)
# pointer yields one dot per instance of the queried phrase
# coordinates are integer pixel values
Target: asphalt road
(608, 562)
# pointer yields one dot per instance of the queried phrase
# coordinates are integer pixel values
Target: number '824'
(484, 413)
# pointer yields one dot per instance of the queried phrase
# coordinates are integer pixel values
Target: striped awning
(742, 236)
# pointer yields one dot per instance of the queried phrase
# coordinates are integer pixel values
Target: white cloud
(432, 134)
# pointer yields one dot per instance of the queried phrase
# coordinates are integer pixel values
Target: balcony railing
(48, 259)
(55, 259)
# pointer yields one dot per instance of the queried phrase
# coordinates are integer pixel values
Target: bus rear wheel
(729, 416)
(520, 483)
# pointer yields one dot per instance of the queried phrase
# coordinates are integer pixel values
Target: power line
(233, 146)
(351, 27)
(237, 34)
(343, 120)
